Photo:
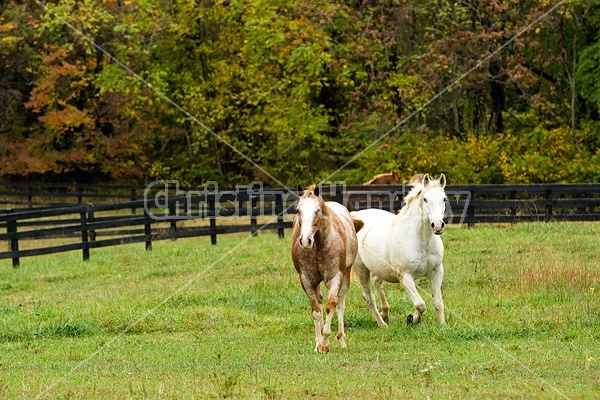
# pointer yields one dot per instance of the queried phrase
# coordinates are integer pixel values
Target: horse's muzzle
(438, 227)
(307, 243)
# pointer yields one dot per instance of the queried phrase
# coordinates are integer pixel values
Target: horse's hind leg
(364, 278)
(435, 279)
(341, 307)
(385, 306)
(409, 285)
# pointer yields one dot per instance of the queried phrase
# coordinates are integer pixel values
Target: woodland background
(299, 87)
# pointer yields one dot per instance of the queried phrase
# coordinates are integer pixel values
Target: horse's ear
(426, 179)
(317, 190)
(443, 181)
(300, 188)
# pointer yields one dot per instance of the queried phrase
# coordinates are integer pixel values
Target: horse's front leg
(410, 287)
(435, 279)
(341, 307)
(334, 286)
(316, 300)
(317, 315)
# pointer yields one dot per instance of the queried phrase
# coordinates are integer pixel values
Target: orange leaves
(59, 82)
(66, 118)
(282, 79)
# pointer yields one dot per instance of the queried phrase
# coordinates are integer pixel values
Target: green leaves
(298, 87)
(588, 74)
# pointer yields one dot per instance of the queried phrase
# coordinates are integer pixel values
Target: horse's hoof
(322, 349)
(409, 319)
(342, 339)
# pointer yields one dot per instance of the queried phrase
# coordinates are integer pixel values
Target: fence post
(212, 215)
(471, 211)
(79, 195)
(240, 204)
(11, 227)
(339, 195)
(30, 196)
(398, 202)
(173, 211)
(253, 223)
(133, 198)
(513, 209)
(548, 215)
(91, 219)
(147, 229)
(279, 213)
(471, 216)
(84, 236)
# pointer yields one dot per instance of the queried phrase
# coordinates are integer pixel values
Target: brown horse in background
(388, 178)
(324, 246)
(416, 179)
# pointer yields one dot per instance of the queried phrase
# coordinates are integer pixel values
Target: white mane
(416, 191)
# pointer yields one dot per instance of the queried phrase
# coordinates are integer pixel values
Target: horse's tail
(358, 224)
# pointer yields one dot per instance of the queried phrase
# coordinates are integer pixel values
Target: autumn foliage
(130, 91)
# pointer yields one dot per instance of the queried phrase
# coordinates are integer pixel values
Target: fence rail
(162, 215)
(29, 195)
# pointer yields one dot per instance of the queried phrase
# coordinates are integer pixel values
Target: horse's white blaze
(310, 210)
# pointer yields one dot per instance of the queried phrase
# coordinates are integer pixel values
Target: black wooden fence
(29, 195)
(148, 220)
(166, 214)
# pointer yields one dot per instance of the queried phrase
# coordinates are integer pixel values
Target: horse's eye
(424, 200)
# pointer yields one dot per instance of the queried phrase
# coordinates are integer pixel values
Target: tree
(191, 90)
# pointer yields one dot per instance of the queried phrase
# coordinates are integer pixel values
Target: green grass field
(191, 320)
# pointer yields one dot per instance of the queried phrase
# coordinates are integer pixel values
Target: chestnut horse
(324, 246)
(388, 178)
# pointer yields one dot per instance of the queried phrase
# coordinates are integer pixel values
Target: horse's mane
(411, 196)
(415, 192)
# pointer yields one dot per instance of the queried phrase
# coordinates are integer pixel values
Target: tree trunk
(496, 123)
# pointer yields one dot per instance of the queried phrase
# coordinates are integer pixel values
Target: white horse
(404, 247)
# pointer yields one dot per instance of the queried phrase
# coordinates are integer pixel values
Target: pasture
(191, 320)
